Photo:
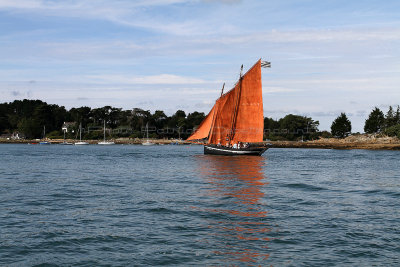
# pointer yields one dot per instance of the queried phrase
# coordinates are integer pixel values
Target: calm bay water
(172, 205)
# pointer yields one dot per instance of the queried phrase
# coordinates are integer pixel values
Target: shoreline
(118, 141)
(333, 145)
(363, 141)
(352, 142)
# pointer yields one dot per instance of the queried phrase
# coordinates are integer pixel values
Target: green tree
(30, 128)
(341, 126)
(397, 116)
(271, 125)
(393, 131)
(390, 118)
(159, 118)
(178, 122)
(294, 126)
(139, 119)
(194, 119)
(4, 123)
(375, 122)
(125, 117)
(80, 115)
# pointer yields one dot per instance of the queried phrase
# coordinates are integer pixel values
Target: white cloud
(270, 90)
(82, 4)
(128, 13)
(223, 1)
(311, 35)
(20, 4)
(153, 79)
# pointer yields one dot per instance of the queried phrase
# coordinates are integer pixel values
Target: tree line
(376, 123)
(31, 117)
(388, 123)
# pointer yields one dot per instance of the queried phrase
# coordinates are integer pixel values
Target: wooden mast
(235, 110)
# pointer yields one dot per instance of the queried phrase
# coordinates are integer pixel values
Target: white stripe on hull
(231, 151)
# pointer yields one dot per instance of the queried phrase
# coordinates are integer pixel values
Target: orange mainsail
(237, 115)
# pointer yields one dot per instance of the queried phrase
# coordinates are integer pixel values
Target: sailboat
(44, 142)
(147, 143)
(235, 124)
(65, 142)
(80, 143)
(104, 140)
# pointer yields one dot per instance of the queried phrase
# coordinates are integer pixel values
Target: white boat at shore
(147, 143)
(104, 142)
(80, 143)
(66, 144)
(44, 142)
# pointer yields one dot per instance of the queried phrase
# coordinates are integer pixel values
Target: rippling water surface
(172, 205)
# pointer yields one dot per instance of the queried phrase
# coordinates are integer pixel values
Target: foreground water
(172, 205)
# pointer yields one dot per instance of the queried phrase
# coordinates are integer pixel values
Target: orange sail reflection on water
(236, 194)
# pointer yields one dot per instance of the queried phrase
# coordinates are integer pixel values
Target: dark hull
(251, 151)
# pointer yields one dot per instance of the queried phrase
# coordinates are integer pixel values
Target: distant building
(13, 136)
(6, 136)
(17, 135)
(68, 127)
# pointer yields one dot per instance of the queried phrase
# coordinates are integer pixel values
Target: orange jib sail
(237, 116)
(204, 128)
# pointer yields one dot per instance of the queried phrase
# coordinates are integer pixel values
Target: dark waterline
(171, 205)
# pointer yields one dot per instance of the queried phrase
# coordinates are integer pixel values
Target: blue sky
(327, 56)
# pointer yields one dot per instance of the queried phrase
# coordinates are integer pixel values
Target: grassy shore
(352, 142)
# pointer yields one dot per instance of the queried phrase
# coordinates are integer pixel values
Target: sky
(327, 57)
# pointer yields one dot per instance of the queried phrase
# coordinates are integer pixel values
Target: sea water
(128, 205)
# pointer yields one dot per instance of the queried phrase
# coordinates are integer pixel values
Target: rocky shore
(371, 142)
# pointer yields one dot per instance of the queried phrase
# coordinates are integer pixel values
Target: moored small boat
(66, 144)
(104, 142)
(44, 143)
(81, 143)
(147, 143)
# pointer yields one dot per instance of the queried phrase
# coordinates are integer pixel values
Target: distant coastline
(361, 141)
(369, 142)
(118, 141)
(335, 144)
